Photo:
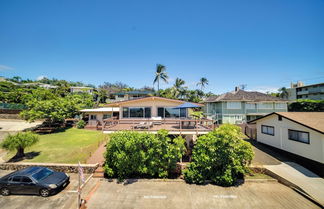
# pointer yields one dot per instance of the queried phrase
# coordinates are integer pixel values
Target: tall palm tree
(203, 82)
(160, 74)
(178, 87)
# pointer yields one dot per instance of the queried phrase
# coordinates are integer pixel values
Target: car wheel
(44, 192)
(5, 191)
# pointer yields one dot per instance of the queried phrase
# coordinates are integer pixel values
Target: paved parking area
(180, 195)
(66, 199)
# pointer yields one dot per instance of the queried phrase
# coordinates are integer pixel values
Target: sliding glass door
(136, 112)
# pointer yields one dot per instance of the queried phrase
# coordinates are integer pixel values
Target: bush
(306, 105)
(221, 156)
(134, 154)
(80, 124)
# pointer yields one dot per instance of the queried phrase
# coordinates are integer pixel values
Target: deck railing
(178, 125)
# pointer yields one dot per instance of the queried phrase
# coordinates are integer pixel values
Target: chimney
(237, 88)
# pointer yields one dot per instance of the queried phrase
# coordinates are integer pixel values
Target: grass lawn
(69, 146)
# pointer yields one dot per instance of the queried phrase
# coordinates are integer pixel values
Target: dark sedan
(34, 180)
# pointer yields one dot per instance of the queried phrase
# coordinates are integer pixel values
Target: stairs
(99, 173)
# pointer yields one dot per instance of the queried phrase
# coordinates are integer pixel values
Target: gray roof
(241, 95)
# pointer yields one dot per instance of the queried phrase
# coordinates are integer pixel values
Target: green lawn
(69, 146)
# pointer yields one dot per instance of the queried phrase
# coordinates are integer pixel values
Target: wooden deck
(174, 126)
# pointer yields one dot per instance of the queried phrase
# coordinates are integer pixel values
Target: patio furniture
(158, 120)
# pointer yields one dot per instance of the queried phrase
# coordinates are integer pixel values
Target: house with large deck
(149, 114)
(241, 106)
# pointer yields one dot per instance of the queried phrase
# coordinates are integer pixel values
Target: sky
(265, 44)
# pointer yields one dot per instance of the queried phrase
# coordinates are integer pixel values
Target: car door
(28, 186)
(14, 184)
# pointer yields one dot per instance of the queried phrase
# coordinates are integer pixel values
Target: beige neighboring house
(299, 133)
(99, 114)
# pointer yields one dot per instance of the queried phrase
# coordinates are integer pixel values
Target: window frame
(296, 140)
(280, 108)
(263, 108)
(267, 128)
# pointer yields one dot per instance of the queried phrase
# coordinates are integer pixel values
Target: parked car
(34, 180)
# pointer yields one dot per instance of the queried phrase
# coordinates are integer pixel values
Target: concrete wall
(313, 151)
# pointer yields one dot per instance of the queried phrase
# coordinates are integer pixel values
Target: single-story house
(152, 106)
(298, 133)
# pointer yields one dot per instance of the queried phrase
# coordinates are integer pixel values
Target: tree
(202, 83)
(19, 142)
(221, 156)
(178, 88)
(160, 74)
(283, 93)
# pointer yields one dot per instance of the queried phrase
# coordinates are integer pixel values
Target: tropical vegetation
(135, 154)
(306, 105)
(221, 156)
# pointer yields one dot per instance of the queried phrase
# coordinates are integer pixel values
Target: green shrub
(221, 156)
(134, 154)
(80, 124)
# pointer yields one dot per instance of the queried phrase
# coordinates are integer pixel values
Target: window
(93, 117)
(105, 116)
(16, 179)
(265, 106)
(42, 174)
(233, 105)
(170, 112)
(250, 106)
(299, 136)
(280, 105)
(136, 112)
(269, 130)
(25, 179)
(279, 117)
(125, 112)
(147, 112)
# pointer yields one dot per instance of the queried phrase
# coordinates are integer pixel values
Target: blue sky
(262, 43)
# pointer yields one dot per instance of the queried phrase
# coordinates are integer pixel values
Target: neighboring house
(43, 85)
(240, 106)
(122, 96)
(77, 89)
(299, 133)
(99, 114)
(301, 91)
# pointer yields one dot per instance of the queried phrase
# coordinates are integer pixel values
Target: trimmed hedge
(221, 156)
(134, 154)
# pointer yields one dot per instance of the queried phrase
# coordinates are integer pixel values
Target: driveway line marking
(92, 191)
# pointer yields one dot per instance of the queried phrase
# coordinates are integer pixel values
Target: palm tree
(203, 82)
(283, 92)
(178, 86)
(160, 74)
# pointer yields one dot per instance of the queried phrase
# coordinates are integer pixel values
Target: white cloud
(4, 68)
(265, 89)
(40, 77)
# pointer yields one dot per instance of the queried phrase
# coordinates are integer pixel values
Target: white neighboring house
(99, 114)
(299, 133)
(76, 89)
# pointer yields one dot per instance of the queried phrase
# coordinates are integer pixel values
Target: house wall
(219, 110)
(99, 117)
(154, 104)
(313, 151)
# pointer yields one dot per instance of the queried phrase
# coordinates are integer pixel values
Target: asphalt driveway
(64, 200)
(159, 195)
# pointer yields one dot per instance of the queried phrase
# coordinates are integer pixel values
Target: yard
(68, 146)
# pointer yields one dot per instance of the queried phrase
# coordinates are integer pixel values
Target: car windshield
(42, 174)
